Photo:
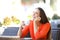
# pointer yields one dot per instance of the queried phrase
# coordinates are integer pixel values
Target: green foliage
(52, 4)
(55, 16)
(26, 0)
(0, 24)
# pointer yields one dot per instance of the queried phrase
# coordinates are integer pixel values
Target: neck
(37, 23)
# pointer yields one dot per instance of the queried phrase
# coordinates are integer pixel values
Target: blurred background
(12, 12)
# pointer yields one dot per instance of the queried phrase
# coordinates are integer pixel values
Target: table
(10, 33)
(13, 38)
(9, 38)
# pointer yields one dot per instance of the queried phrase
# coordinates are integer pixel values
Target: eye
(36, 13)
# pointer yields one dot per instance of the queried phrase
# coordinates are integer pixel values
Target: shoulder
(47, 24)
(30, 21)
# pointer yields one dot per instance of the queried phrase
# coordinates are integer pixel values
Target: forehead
(36, 10)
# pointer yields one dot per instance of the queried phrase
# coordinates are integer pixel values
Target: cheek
(35, 15)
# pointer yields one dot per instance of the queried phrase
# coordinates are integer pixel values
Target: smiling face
(36, 13)
(40, 14)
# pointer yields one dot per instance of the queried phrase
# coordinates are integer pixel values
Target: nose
(34, 15)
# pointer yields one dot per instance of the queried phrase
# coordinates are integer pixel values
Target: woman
(39, 27)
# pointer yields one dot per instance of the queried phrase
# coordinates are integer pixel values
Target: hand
(22, 24)
(36, 24)
(37, 19)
